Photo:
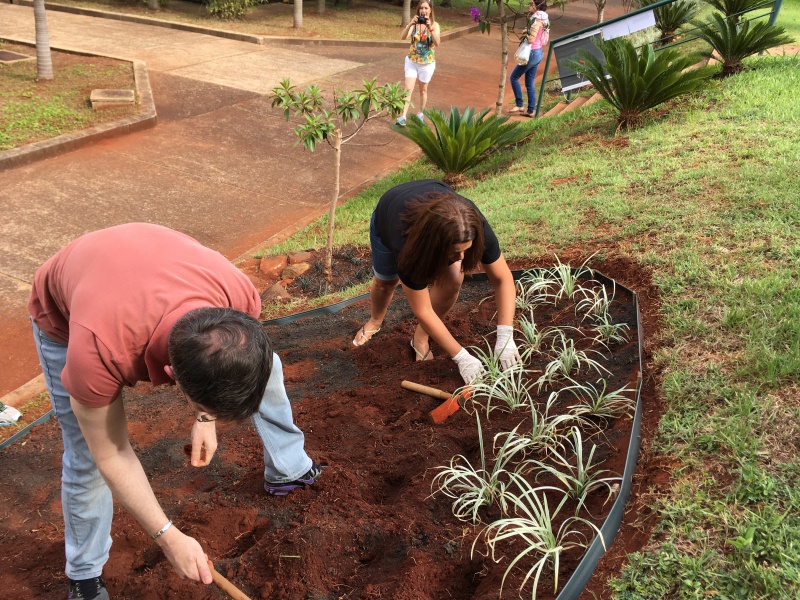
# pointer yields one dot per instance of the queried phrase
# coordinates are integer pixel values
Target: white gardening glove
(505, 349)
(469, 366)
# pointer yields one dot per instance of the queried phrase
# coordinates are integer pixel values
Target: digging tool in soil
(446, 408)
(226, 586)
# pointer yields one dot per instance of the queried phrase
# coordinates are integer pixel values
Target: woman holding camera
(420, 62)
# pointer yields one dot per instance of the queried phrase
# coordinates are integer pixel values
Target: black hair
(222, 359)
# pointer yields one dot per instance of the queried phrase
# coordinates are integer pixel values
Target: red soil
(368, 528)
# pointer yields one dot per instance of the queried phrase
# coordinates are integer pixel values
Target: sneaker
(281, 489)
(401, 122)
(88, 589)
(421, 117)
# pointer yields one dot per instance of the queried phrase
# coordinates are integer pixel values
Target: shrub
(228, 9)
(736, 41)
(671, 17)
(459, 141)
(637, 82)
(735, 8)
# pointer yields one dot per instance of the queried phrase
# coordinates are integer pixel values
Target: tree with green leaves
(349, 112)
(633, 82)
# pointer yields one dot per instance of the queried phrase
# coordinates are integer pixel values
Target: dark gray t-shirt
(389, 225)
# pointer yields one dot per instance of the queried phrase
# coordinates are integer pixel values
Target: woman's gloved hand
(469, 366)
(505, 349)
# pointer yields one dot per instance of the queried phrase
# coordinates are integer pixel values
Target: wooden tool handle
(424, 389)
(226, 586)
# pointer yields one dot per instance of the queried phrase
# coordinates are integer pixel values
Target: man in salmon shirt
(141, 302)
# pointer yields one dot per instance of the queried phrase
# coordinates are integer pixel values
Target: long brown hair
(432, 225)
(430, 5)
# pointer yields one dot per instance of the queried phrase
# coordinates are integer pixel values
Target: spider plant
(609, 333)
(533, 338)
(533, 525)
(567, 360)
(544, 432)
(595, 301)
(597, 401)
(511, 389)
(492, 369)
(581, 477)
(736, 41)
(568, 277)
(535, 288)
(471, 488)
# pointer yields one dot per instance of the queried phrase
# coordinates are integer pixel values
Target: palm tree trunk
(298, 14)
(337, 160)
(406, 12)
(44, 62)
(153, 5)
(501, 91)
(321, 7)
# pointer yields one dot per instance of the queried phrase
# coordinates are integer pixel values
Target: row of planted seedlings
(533, 490)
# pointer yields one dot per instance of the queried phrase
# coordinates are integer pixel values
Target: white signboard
(629, 25)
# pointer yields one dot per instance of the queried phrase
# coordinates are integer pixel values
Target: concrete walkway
(221, 164)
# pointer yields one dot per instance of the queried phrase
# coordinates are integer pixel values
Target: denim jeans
(284, 457)
(86, 500)
(529, 70)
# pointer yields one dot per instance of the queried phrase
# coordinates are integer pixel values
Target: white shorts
(418, 71)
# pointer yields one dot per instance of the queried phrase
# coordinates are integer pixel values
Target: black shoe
(281, 489)
(93, 588)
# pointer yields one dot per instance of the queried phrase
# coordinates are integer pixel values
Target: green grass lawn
(32, 111)
(705, 194)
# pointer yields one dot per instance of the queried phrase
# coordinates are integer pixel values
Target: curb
(24, 155)
(25, 393)
(261, 40)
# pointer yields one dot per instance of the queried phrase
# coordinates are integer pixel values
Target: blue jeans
(86, 500)
(529, 71)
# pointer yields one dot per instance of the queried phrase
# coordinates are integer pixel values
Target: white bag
(523, 53)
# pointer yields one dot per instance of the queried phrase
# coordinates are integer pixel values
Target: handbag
(523, 53)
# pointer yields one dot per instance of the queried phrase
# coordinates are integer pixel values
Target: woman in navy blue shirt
(425, 236)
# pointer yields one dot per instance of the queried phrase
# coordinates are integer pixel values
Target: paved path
(221, 164)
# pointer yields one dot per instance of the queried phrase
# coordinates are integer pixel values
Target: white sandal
(366, 334)
(420, 356)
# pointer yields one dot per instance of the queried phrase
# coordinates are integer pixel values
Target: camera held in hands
(422, 20)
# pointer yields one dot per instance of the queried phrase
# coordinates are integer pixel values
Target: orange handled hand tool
(445, 409)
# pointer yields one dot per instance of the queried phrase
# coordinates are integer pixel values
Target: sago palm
(735, 8)
(632, 82)
(671, 17)
(736, 41)
(460, 141)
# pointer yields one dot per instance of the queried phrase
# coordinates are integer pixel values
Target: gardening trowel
(446, 408)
